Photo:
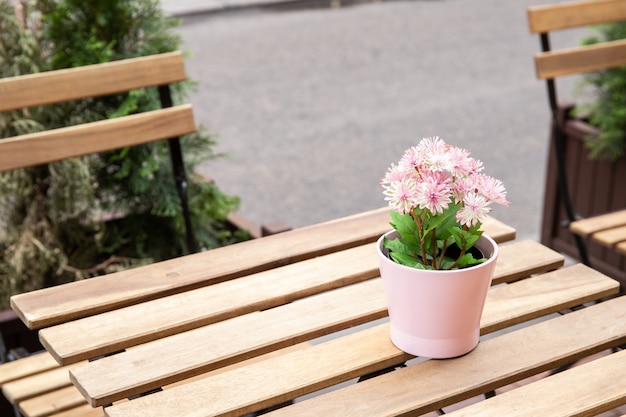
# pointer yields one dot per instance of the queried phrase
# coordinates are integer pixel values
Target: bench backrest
(97, 80)
(581, 59)
(92, 81)
(550, 64)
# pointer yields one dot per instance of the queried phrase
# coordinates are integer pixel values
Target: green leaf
(407, 260)
(405, 225)
(468, 260)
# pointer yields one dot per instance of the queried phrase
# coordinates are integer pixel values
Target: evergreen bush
(607, 109)
(97, 214)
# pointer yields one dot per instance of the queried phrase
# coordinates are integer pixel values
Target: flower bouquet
(439, 198)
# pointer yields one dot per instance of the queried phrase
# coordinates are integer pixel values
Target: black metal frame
(180, 177)
(559, 148)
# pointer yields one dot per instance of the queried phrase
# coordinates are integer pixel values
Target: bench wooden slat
(546, 18)
(57, 144)
(621, 247)
(81, 411)
(43, 382)
(112, 331)
(91, 81)
(417, 389)
(611, 237)
(593, 388)
(27, 366)
(56, 305)
(95, 379)
(586, 227)
(56, 401)
(579, 60)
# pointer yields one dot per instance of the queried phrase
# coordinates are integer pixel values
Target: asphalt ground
(312, 104)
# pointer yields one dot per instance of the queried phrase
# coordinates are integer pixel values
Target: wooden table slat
(168, 360)
(434, 384)
(524, 258)
(112, 331)
(523, 304)
(419, 388)
(558, 290)
(592, 388)
(56, 305)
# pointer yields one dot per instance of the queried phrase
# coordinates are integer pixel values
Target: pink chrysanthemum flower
(492, 189)
(402, 195)
(411, 160)
(475, 208)
(461, 164)
(433, 195)
(462, 187)
(432, 145)
(394, 173)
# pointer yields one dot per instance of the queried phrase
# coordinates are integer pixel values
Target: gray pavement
(314, 104)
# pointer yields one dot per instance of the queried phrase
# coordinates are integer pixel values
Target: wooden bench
(609, 230)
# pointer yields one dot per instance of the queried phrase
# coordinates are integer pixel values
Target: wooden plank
(118, 329)
(554, 291)
(91, 80)
(497, 230)
(27, 366)
(99, 383)
(82, 411)
(611, 237)
(546, 18)
(414, 390)
(71, 301)
(524, 258)
(185, 355)
(52, 402)
(581, 59)
(88, 138)
(587, 390)
(586, 227)
(621, 247)
(111, 331)
(22, 389)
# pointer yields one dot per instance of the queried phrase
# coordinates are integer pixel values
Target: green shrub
(607, 110)
(101, 213)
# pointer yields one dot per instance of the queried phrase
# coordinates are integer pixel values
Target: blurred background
(312, 104)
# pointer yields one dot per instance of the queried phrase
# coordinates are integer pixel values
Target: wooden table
(254, 325)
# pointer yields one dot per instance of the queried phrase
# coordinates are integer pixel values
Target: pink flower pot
(436, 314)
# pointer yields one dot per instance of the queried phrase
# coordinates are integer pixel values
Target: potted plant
(595, 164)
(436, 264)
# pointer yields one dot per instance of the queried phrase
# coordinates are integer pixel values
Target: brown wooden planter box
(595, 187)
